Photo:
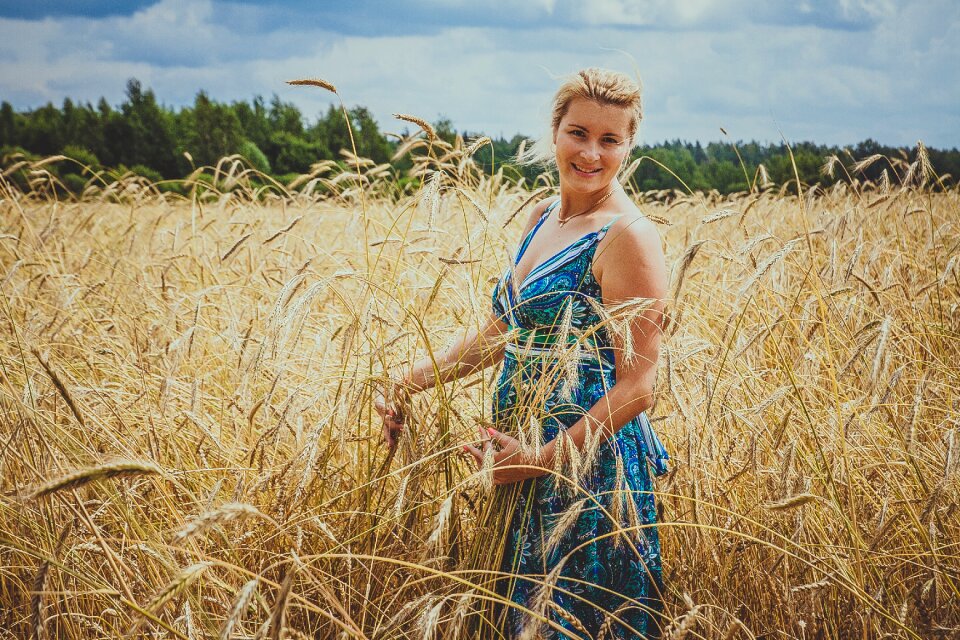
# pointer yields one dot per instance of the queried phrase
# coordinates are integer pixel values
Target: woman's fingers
(392, 427)
(387, 435)
(476, 453)
(391, 434)
(500, 438)
(484, 436)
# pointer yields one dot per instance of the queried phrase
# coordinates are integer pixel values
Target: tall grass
(189, 447)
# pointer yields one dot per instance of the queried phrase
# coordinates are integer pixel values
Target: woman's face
(592, 141)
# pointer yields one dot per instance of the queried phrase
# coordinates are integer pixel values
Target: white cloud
(831, 72)
(654, 14)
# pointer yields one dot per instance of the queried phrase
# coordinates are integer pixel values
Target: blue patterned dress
(620, 573)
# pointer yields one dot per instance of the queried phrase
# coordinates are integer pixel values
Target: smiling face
(592, 141)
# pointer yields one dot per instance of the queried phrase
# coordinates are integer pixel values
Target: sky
(832, 72)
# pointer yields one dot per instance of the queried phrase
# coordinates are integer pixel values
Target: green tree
(284, 116)
(331, 131)
(255, 156)
(295, 155)
(8, 125)
(146, 132)
(444, 129)
(43, 131)
(214, 131)
(370, 142)
(253, 121)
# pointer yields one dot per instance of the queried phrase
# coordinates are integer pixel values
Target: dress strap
(603, 231)
(536, 227)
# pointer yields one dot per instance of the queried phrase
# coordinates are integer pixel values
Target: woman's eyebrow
(608, 133)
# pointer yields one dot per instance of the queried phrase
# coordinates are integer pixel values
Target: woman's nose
(589, 151)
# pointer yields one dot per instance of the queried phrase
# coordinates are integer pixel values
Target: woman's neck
(585, 204)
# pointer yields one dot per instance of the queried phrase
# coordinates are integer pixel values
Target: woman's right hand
(392, 411)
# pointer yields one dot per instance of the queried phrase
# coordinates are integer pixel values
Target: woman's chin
(587, 184)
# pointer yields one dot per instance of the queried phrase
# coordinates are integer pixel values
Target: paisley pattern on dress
(599, 573)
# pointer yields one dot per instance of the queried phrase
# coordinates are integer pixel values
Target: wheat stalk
(476, 145)
(884, 335)
(570, 619)
(562, 526)
(173, 588)
(910, 439)
(431, 196)
(59, 384)
(81, 477)
(722, 214)
(401, 494)
(314, 82)
(685, 262)
(420, 122)
(436, 538)
(863, 165)
(765, 266)
(240, 605)
(530, 198)
(429, 619)
(277, 620)
(791, 502)
(680, 627)
(39, 624)
(222, 515)
(235, 246)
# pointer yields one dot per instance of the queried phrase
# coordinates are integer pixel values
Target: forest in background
(161, 143)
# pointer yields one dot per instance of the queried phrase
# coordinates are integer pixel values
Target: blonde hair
(604, 87)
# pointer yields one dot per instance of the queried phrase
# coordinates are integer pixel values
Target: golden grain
(811, 423)
(420, 122)
(314, 82)
(81, 477)
(791, 502)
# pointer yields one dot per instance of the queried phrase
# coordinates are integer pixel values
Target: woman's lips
(586, 173)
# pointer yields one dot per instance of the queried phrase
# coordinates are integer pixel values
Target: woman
(584, 521)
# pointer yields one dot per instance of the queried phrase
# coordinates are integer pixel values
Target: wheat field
(189, 447)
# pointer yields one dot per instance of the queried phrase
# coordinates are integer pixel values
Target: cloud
(37, 9)
(829, 72)
(169, 33)
(842, 15)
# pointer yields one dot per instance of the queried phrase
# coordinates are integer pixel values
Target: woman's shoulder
(632, 223)
(540, 208)
(537, 212)
(631, 239)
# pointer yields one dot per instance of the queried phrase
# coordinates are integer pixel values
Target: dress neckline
(515, 290)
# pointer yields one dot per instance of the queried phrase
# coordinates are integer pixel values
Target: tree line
(162, 143)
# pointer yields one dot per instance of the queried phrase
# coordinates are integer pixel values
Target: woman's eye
(611, 141)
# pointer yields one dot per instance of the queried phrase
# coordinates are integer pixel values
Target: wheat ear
(314, 82)
(91, 474)
(420, 122)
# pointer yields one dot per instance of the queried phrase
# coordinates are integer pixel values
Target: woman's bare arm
(631, 268)
(474, 350)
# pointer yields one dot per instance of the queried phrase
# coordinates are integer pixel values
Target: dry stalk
(420, 122)
(567, 519)
(228, 512)
(791, 502)
(59, 384)
(314, 82)
(92, 474)
(173, 588)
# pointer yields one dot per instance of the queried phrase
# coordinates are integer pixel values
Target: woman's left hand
(510, 462)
